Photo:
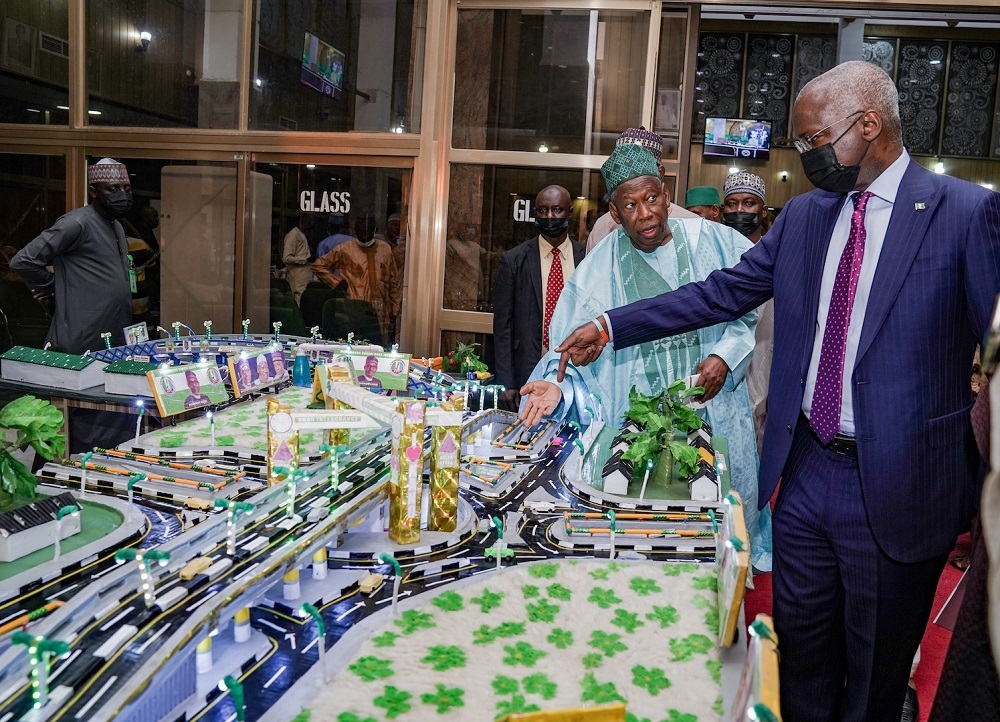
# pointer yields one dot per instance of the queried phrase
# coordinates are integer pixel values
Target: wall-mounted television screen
(322, 67)
(738, 138)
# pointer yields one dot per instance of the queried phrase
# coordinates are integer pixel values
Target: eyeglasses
(804, 144)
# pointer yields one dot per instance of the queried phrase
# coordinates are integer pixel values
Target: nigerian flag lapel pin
(919, 206)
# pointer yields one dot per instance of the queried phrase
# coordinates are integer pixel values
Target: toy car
(318, 513)
(371, 584)
(194, 567)
(193, 502)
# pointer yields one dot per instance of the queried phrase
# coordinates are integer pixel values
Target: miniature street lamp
(138, 420)
(613, 520)
(176, 325)
(334, 453)
(387, 558)
(498, 525)
(211, 425)
(133, 479)
(84, 458)
(277, 331)
(235, 689)
(235, 507)
(311, 611)
(246, 329)
(68, 510)
(645, 479)
(145, 558)
(290, 486)
(314, 333)
(40, 649)
(107, 339)
(208, 331)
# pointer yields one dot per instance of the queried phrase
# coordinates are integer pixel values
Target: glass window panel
(566, 81)
(34, 64)
(182, 237)
(489, 212)
(669, 81)
(184, 74)
(350, 65)
(333, 207)
(32, 197)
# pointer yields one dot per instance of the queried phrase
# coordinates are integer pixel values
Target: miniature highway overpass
(172, 654)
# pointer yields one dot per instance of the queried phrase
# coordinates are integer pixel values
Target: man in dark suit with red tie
(528, 283)
(883, 282)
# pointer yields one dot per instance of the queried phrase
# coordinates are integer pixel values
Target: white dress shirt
(877, 213)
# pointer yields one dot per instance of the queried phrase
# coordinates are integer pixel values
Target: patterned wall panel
(921, 93)
(720, 72)
(880, 52)
(768, 80)
(815, 55)
(971, 90)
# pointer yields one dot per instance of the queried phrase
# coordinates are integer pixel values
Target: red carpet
(935, 643)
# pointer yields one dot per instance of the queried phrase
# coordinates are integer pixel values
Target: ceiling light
(733, 169)
(34, 110)
(62, 107)
(543, 148)
(939, 168)
(987, 186)
(144, 39)
(310, 166)
(93, 112)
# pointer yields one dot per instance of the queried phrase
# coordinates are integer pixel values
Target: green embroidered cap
(626, 162)
(702, 196)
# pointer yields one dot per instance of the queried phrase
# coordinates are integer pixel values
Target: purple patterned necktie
(824, 416)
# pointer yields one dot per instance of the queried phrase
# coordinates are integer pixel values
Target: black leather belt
(839, 444)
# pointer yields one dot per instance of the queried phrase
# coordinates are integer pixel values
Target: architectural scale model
(327, 551)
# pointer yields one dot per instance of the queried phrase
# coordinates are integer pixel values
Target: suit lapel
(534, 262)
(817, 242)
(907, 228)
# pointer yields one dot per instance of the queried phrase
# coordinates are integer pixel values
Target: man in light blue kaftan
(616, 273)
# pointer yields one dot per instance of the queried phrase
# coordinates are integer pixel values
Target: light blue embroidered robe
(597, 285)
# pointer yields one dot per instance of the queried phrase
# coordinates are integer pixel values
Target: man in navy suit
(883, 282)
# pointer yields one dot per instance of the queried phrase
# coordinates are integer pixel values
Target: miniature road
(102, 666)
(296, 648)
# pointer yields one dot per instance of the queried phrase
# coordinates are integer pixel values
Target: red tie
(552, 291)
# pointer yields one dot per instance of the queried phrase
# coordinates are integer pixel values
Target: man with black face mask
(743, 206)
(91, 277)
(883, 280)
(529, 280)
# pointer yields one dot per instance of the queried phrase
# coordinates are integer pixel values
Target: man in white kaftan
(616, 273)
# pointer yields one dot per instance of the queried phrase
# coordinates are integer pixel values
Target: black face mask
(745, 223)
(118, 203)
(551, 227)
(827, 173)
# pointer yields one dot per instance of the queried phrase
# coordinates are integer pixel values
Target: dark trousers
(848, 617)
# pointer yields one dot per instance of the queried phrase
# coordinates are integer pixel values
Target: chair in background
(284, 309)
(280, 284)
(342, 316)
(313, 297)
(27, 322)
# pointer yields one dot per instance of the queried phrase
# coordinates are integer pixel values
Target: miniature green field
(600, 452)
(97, 521)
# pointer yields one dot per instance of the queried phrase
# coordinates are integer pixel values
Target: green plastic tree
(37, 424)
(659, 416)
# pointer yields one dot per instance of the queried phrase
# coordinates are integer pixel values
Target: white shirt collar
(887, 184)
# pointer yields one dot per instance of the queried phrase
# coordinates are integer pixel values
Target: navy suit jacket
(930, 303)
(517, 311)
